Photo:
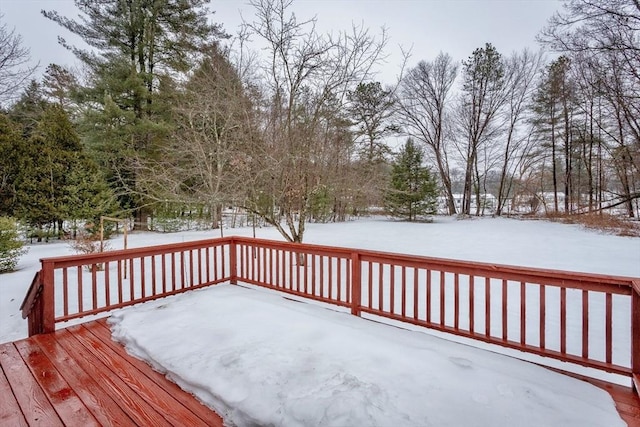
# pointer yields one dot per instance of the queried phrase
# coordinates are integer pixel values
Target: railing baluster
(380, 286)
(608, 327)
(415, 293)
(487, 306)
(207, 265)
(183, 269)
(200, 266)
(132, 294)
(163, 267)
(585, 324)
(392, 290)
(543, 320)
(404, 291)
(322, 263)
(80, 293)
(442, 298)
(505, 304)
(174, 284)
(370, 285)
(356, 284)
(523, 313)
(143, 283)
(107, 286)
(563, 320)
(94, 286)
(456, 301)
(348, 278)
(472, 315)
(65, 291)
(120, 281)
(153, 276)
(428, 296)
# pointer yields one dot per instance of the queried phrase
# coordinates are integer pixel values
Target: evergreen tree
(138, 49)
(56, 180)
(412, 192)
(10, 141)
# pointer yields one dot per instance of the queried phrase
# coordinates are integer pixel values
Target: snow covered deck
(579, 319)
(79, 376)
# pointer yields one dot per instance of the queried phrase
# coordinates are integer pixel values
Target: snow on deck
(260, 359)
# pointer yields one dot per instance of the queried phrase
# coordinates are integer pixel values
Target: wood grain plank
(10, 413)
(65, 401)
(101, 329)
(161, 401)
(33, 402)
(129, 401)
(101, 405)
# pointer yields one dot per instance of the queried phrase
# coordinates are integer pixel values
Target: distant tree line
(169, 111)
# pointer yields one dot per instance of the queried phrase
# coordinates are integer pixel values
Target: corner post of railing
(635, 335)
(233, 262)
(47, 298)
(356, 283)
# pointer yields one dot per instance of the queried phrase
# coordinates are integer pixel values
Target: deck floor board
(78, 376)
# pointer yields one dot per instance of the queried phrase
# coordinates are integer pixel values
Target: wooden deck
(79, 377)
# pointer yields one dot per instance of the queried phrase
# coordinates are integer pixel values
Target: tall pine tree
(137, 49)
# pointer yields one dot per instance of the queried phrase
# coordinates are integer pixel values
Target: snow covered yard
(295, 341)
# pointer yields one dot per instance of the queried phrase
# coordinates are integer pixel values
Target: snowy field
(361, 372)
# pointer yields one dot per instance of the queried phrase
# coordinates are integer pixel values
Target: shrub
(11, 247)
(89, 243)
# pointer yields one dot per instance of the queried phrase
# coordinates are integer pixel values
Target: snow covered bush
(11, 247)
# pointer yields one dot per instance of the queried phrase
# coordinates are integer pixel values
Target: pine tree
(56, 180)
(412, 192)
(138, 48)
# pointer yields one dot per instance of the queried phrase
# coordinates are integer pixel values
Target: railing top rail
(30, 297)
(337, 250)
(83, 259)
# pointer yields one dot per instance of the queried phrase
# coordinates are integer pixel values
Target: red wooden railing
(587, 319)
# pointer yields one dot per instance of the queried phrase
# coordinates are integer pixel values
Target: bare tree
(483, 96)
(306, 77)
(424, 95)
(606, 33)
(15, 70)
(521, 71)
(201, 164)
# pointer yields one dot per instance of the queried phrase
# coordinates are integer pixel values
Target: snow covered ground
(247, 348)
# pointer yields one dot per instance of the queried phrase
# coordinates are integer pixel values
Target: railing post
(233, 262)
(47, 299)
(356, 284)
(635, 335)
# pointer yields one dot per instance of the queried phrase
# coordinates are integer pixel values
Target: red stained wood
(472, 304)
(97, 401)
(357, 286)
(456, 301)
(80, 377)
(28, 394)
(523, 313)
(66, 402)
(543, 318)
(10, 412)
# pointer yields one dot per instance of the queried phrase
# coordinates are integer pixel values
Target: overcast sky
(426, 26)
